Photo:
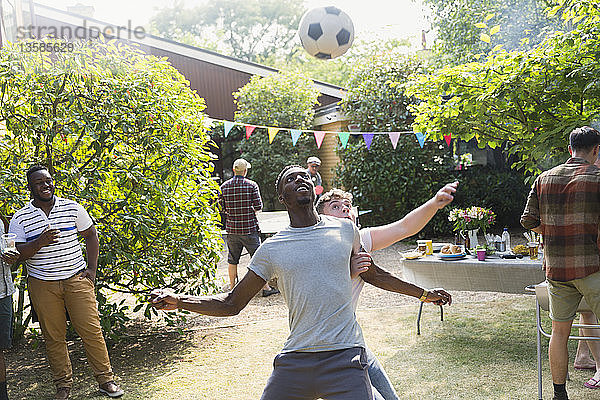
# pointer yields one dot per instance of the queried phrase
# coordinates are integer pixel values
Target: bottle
(506, 239)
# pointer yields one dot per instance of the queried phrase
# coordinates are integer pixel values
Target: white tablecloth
(493, 274)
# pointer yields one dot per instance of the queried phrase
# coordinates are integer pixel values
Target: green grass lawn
(481, 351)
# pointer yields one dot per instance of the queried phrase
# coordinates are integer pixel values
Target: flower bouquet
(472, 218)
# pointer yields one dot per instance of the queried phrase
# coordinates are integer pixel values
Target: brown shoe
(62, 393)
(111, 389)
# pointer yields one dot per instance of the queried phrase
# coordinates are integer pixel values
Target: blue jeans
(382, 386)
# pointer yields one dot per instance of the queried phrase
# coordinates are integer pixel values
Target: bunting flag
(420, 138)
(249, 130)
(295, 135)
(227, 125)
(448, 138)
(394, 136)
(272, 132)
(344, 136)
(368, 139)
(319, 135)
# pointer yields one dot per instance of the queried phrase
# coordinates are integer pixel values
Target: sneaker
(62, 393)
(111, 389)
(267, 293)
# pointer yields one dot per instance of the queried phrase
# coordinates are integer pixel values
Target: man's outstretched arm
(386, 235)
(381, 278)
(221, 305)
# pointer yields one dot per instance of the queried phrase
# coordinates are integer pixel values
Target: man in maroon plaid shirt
(240, 200)
(564, 206)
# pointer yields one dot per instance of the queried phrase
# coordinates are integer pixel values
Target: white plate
(412, 255)
(452, 256)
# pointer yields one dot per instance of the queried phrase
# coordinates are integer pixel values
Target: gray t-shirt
(312, 269)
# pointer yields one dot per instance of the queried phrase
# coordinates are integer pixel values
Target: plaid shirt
(565, 203)
(240, 199)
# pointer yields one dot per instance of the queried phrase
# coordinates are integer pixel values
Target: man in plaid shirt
(564, 206)
(240, 200)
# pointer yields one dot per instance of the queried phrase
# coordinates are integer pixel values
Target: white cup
(8, 242)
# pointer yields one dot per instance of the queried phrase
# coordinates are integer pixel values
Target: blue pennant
(227, 125)
(295, 135)
(421, 138)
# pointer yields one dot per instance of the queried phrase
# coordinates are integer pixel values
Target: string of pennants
(320, 135)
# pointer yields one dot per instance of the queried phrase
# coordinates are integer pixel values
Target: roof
(172, 46)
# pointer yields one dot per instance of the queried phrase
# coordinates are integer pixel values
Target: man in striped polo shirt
(48, 230)
(564, 206)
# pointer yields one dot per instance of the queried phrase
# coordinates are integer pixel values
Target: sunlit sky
(385, 18)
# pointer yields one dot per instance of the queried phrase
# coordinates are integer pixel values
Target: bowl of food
(520, 249)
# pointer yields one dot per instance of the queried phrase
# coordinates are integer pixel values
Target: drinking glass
(8, 242)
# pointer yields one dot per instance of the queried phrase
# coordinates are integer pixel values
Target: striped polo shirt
(60, 260)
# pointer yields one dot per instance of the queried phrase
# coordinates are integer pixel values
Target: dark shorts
(235, 244)
(331, 375)
(6, 322)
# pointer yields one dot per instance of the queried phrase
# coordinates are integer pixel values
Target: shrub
(283, 100)
(122, 133)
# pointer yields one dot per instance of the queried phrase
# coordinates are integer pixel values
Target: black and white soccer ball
(326, 32)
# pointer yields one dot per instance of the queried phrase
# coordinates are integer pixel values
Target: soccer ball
(326, 32)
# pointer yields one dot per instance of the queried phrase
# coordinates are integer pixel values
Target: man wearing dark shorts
(240, 200)
(8, 257)
(324, 355)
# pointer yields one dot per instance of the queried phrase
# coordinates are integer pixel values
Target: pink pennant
(319, 136)
(249, 130)
(394, 136)
(448, 138)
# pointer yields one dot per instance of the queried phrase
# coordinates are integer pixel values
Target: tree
(389, 181)
(123, 134)
(284, 100)
(528, 101)
(337, 70)
(248, 29)
(468, 29)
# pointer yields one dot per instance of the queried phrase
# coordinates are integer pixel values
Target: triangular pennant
(272, 132)
(295, 135)
(319, 135)
(448, 138)
(394, 136)
(420, 138)
(227, 125)
(249, 130)
(344, 136)
(368, 139)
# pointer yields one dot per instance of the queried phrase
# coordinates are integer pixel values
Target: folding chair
(542, 302)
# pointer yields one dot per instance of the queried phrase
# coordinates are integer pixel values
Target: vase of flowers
(468, 222)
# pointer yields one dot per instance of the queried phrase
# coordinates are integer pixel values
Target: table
(492, 275)
(495, 274)
(271, 222)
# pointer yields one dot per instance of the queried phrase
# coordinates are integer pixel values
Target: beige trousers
(50, 299)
